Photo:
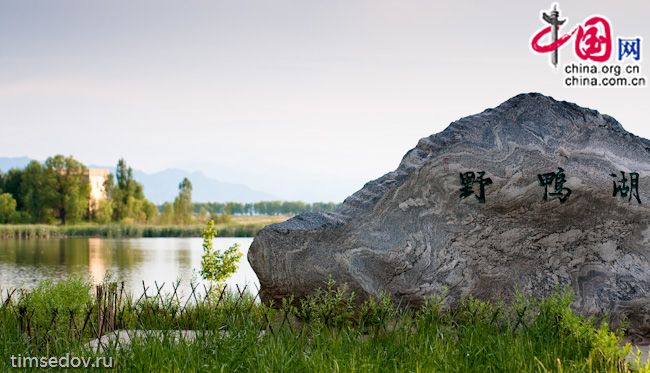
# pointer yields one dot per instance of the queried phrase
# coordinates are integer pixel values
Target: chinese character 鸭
(467, 181)
(629, 48)
(559, 190)
(624, 190)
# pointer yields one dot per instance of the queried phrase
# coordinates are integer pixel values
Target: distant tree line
(58, 191)
(261, 208)
(179, 211)
(55, 190)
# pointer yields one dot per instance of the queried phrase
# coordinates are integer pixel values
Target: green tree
(124, 175)
(69, 178)
(217, 266)
(150, 211)
(36, 192)
(104, 212)
(8, 212)
(125, 193)
(109, 186)
(183, 203)
(167, 216)
(203, 214)
(127, 196)
(11, 184)
(233, 208)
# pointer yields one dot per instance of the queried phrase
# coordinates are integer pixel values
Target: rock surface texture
(410, 233)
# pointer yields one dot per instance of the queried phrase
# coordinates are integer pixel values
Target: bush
(48, 311)
(215, 265)
(8, 212)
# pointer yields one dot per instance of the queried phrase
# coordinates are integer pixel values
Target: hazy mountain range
(162, 186)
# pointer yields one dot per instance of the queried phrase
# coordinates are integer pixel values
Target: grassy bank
(245, 226)
(325, 333)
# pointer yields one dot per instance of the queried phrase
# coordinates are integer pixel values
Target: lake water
(24, 263)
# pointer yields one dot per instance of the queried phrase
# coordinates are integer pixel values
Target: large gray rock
(411, 234)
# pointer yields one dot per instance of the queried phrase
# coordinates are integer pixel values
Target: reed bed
(122, 231)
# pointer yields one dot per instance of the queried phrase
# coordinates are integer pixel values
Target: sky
(301, 99)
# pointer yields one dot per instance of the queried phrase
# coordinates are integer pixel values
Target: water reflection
(96, 261)
(23, 263)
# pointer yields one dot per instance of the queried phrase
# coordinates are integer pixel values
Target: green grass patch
(328, 331)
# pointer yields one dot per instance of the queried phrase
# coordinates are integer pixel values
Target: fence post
(106, 298)
(99, 293)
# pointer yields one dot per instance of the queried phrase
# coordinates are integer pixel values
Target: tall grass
(122, 231)
(29, 231)
(324, 332)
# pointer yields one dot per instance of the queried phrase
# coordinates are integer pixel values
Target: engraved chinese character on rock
(557, 180)
(621, 187)
(467, 181)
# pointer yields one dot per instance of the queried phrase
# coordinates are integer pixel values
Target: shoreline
(44, 231)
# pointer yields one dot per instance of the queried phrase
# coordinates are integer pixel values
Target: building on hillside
(96, 178)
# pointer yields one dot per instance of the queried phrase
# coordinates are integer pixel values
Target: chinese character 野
(467, 181)
(559, 190)
(624, 190)
(629, 48)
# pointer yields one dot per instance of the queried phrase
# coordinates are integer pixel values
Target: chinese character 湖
(627, 191)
